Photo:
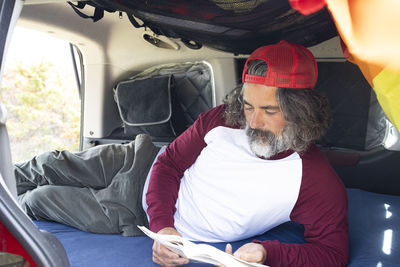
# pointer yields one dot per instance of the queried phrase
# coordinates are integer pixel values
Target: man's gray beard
(266, 144)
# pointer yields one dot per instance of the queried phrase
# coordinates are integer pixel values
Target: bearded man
(241, 169)
(250, 165)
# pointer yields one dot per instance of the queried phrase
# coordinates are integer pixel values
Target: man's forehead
(246, 86)
(260, 95)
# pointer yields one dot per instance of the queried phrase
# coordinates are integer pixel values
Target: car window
(39, 82)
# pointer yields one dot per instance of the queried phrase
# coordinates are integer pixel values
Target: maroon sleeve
(170, 166)
(322, 208)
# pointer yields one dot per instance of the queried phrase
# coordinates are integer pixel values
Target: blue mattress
(374, 221)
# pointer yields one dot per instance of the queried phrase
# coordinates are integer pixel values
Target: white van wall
(113, 50)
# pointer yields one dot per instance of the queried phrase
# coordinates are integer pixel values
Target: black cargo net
(237, 26)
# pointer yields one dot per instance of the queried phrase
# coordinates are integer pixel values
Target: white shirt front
(230, 194)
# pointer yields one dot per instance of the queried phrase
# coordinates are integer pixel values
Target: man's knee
(43, 192)
(35, 201)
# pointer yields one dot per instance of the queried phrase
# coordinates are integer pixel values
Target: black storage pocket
(148, 105)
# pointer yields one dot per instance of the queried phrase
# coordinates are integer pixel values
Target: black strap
(134, 22)
(98, 11)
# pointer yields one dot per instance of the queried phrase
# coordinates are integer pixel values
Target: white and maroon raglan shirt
(211, 187)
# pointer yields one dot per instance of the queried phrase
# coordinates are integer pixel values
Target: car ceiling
(232, 26)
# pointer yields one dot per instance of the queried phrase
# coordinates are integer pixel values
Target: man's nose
(257, 120)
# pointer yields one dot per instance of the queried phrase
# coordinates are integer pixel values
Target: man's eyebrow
(270, 107)
(246, 103)
(262, 107)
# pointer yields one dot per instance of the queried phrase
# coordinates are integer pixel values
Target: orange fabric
(370, 29)
(385, 81)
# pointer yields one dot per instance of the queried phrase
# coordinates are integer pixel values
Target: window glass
(39, 90)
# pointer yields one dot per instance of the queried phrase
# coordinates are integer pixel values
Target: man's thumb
(228, 248)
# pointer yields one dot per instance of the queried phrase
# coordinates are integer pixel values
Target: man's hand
(251, 252)
(165, 257)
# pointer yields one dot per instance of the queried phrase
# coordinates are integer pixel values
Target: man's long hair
(306, 112)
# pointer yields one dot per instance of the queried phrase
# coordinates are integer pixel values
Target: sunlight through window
(39, 82)
(388, 213)
(387, 241)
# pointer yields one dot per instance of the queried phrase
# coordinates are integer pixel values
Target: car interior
(190, 54)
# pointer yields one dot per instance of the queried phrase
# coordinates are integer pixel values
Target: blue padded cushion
(374, 229)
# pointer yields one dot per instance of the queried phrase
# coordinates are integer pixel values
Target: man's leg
(112, 203)
(73, 206)
(95, 167)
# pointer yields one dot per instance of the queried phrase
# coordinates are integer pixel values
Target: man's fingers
(163, 251)
(251, 252)
(170, 262)
(165, 257)
(163, 263)
(228, 248)
(244, 255)
(156, 259)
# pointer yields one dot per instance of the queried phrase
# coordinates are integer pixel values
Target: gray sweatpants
(98, 190)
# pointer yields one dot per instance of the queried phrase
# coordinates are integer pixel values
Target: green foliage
(43, 114)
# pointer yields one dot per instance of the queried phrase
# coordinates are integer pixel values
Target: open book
(198, 252)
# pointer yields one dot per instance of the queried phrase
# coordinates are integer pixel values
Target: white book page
(198, 252)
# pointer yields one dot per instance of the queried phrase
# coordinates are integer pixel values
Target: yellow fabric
(387, 88)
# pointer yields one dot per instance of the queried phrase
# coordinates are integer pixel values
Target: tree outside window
(40, 95)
